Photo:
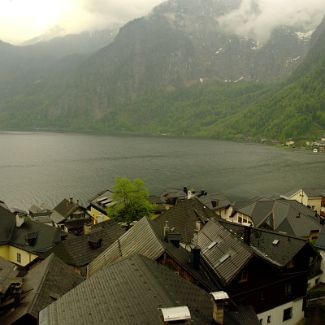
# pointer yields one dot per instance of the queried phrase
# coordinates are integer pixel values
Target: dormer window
(30, 238)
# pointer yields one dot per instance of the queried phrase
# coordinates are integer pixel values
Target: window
(243, 276)
(261, 321)
(288, 289)
(18, 258)
(287, 314)
(240, 219)
(269, 319)
(291, 264)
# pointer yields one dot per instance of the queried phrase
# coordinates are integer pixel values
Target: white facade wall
(301, 197)
(314, 281)
(275, 316)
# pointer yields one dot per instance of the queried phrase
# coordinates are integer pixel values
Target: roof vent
(176, 314)
(95, 243)
(275, 242)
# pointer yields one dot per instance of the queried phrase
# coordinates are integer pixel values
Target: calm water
(46, 167)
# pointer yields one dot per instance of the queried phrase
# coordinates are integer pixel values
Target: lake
(38, 168)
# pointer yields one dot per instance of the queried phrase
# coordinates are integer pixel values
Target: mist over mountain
(182, 65)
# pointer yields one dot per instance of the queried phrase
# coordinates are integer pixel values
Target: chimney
(198, 225)
(87, 229)
(220, 300)
(95, 243)
(196, 257)
(71, 200)
(166, 230)
(179, 315)
(77, 202)
(247, 235)
(20, 219)
(185, 190)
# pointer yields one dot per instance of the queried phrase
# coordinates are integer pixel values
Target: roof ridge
(154, 231)
(50, 260)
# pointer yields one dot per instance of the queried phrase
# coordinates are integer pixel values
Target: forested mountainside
(175, 71)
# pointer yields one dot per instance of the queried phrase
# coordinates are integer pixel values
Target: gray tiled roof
(284, 215)
(128, 292)
(43, 284)
(320, 242)
(64, 209)
(140, 239)
(102, 200)
(76, 251)
(311, 192)
(46, 236)
(8, 273)
(183, 217)
(261, 240)
(221, 201)
(223, 252)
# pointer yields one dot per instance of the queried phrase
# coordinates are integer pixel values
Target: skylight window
(224, 258)
(212, 244)
(275, 242)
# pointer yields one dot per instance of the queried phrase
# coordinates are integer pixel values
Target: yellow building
(23, 240)
(313, 198)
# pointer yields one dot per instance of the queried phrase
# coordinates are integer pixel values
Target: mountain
(175, 71)
(180, 44)
(61, 46)
(294, 108)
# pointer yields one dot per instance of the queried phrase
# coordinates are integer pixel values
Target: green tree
(131, 201)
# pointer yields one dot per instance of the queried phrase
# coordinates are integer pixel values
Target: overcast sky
(21, 20)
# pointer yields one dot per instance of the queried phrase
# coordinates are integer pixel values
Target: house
(320, 246)
(313, 198)
(264, 269)
(143, 238)
(290, 143)
(40, 214)
(23, 240)
(138, 290)
(70, 216)
(184, 218)
(280, 215)
(217, 202)
(79, 251)
(43, 284)
(99, 204)
(171, 196)
(320, 145)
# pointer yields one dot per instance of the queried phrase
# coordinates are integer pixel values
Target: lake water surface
(46, 167)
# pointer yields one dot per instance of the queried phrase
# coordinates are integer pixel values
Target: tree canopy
(131, 199)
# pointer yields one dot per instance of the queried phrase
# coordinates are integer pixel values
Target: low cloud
(257, 19)
(95, 14)
(21, 19)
